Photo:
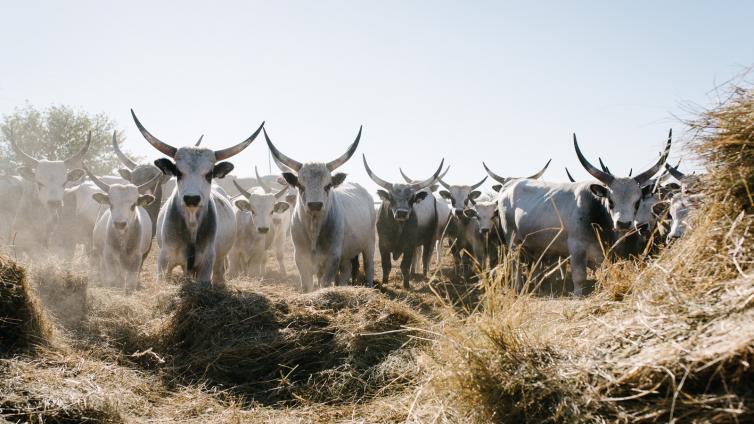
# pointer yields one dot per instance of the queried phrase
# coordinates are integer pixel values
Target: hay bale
(23, 325)
(62, 291)
(324, 347)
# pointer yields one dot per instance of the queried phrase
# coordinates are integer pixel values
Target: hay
(335, 346)
(62, 291)
(23, 325)
(670, 339)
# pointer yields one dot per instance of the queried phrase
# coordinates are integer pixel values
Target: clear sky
(505, 82)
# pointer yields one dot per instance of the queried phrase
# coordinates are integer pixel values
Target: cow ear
(167, 167)
(497, 187)
(101, 198)
(474, 194)
(145, 200)
(291, 179)
(26, 172)
(647, 190)
(243, 204)
(672, 187)
(281, 207)
(598, 190)
(420, 196)
(338, 179)
(384, 195)
(446, 195)
(222, 169)
(469, 213)
(126, 174)
(75, 175)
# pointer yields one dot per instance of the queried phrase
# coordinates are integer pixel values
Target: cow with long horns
(333, 221)
(465, 245)
(262, 222)
(398, 226)
(574, 219)
(42, 202)
(196, 226)
(122, 235)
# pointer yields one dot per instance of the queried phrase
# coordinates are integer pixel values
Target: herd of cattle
(213, 225)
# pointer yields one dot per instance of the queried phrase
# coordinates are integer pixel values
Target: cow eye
(328, 187)
(610, 203)
(208, 177)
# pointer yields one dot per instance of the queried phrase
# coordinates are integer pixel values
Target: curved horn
(678, 175)
(164, 148)
(280, 165)
(443, 183)
(150, 185)
(498, 178)
(431, 180)
(409, 180)
(261, 182)
(20, 153)
(295, 166)
(241, 190)
(649, 173)
(335, 164)
(603, 177)
(540, 173)
(603, 166)
(281, 193)
(570, 177)
(199, 142)
(99, 183)
(122, 156)
(630, 171)
(475, 186)
(232, 151)
(79, 156)
(377, 180)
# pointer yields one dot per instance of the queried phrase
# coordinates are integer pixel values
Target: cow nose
(623, 225)
(459, 213)
(119, 225)
(191, 200)
(263, 230)
(55, 204)
(401, 214)
(314, 206)
(484, 230)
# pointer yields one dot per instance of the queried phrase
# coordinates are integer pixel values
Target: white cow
(196, 226)
(333, 222)
(122, 235)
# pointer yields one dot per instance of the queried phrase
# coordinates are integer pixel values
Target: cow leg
(415, 266)
(386, 264)
(280, 257)
(355, 270)
(218, 270)
(368, 258)
(164, 267)
(577, 250)
(427, 250)
(331, 268)
(305, 272)
(406, 261)
(346, 267)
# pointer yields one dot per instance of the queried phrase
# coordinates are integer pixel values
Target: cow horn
(603, 177)
(151, 185)
(405, 177)
(335, 164)
(540, 173)
(261, 182)
(280, 165)
(99, 183)
(630, 171)
(295, 166)
(241, 190)
(232, 151)
(431, 180)
(164, 148)
(476, 186)
(678, 175)
(199, 142)
(603, 166)
(281, 193)
(443, 183)
(377, 180)
(79, 156)
(122, 156)
(646, 175)
(570, 177)
(498, 178)
(20, 153)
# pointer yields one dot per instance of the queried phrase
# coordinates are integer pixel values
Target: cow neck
(192, 221)
(314, 225)
(128, 241)
(600, 220)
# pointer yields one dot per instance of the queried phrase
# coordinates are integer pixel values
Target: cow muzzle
(263, 230)
(120, 225)
(623, 225)
(401, 215)
(484, 230)
(192, 201)
(315, 206)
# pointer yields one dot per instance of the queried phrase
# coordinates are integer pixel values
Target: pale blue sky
(506, 82)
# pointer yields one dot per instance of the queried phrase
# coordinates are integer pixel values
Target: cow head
(402, 197)
(460, 196)
(680, 207)
(505, 180)
(262, 206)
(313, 180)
(50, 177)
(487, 215)
(622, 196)
(690, 183)
(134, 173)
(194, 168)
(122, 199)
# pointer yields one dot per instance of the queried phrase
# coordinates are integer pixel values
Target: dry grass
(23, 324)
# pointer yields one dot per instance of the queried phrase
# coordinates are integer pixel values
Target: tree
(57, 133)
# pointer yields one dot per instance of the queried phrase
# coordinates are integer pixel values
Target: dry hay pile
(680, 344)
(23, 325)
(62, 291)
(336, 346)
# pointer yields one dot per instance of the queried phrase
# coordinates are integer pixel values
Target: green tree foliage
(57, 133)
